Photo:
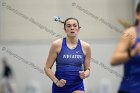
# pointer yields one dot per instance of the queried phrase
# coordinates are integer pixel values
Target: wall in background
(33, 20)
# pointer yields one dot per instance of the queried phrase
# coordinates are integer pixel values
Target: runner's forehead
(71, 21)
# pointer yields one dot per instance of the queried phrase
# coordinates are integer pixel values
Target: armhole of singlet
(136, 31)
(62, 46)
(79, 41)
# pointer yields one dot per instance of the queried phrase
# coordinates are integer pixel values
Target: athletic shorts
(68, 88)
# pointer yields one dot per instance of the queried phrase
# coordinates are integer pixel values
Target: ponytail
(124, 23)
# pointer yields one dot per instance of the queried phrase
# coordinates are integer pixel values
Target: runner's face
(71, 28)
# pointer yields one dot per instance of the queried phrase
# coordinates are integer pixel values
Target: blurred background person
(128, 53)
(7, 83)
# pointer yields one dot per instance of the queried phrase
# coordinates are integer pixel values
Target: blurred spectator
(7, 83)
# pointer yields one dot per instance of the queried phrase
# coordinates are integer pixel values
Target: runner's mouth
(72, 32)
